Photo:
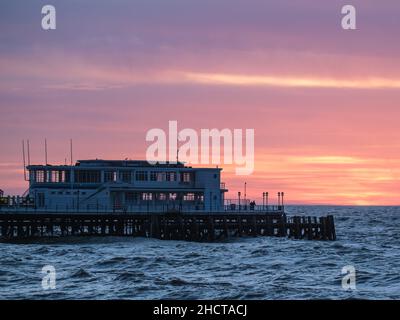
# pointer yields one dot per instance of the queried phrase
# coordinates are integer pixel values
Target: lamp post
(279, 200)
(239, 199)
(266, 199)
(245, 195)
(263, 201)
(282, 193)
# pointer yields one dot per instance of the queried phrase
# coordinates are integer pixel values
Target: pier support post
(210, 228)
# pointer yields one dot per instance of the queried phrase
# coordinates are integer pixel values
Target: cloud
(292, 82)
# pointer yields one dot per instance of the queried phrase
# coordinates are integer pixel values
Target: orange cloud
(295, 81)
(321, 179)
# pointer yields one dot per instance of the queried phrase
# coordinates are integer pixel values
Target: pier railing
(150, 208)
(251, 208)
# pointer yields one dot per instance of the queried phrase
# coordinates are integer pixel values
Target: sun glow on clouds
(295, 81)
(327, 160)
(324, 179)
(82, 75)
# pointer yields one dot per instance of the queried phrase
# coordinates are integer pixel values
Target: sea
(367, 249)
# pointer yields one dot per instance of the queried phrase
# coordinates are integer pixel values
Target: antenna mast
(45, 151)
(70, 149)
(23, 156)
(177, 150)
(29, 153)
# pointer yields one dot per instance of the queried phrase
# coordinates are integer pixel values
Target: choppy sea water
(246, 268)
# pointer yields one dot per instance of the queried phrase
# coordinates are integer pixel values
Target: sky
(323, 101)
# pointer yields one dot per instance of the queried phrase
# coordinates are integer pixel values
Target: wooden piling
(192, 227)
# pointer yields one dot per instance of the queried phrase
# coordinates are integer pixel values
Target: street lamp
(279, 200)
(263, 200)
(239, 199)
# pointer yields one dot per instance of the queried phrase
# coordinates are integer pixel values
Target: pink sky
(323, 101)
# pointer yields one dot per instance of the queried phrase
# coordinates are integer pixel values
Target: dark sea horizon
(368, 239)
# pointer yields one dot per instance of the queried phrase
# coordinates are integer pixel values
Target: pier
(200, 227)
(135, 198)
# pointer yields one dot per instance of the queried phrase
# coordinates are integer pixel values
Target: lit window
(58, 176)
(157, 176)
(110, 176)
(172, 196)
(188, 197)
(186, 177)
(160, 176)
(147, 196)
(170, 176)
(40, 176)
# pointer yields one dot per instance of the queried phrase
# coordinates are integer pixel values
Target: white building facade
(126, 185)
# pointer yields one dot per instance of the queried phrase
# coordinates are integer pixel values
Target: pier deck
(205, 227)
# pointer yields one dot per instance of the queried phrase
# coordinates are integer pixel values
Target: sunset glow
(323, 102)
(256, 80)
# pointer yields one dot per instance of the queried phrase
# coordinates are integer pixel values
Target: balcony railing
(251, 208)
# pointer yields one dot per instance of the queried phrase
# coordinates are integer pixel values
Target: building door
(116, 198)
(40, 199)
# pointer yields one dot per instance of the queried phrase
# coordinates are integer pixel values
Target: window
(125, 176)
(188, 197)
(58, 176)
(40, 176)
(47, 176)
(172, 196)
(110, 176)
(170, 176)
(131, 196)
(87, 176)
(160, 176)
(186, 177)
(147, 196)
(40, 198)
(157, 176)
(141, 175)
